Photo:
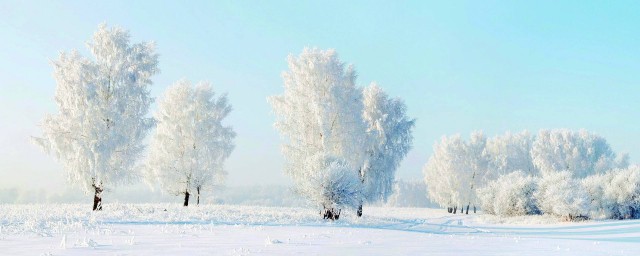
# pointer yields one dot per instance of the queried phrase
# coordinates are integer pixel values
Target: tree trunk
(467, 209)
(455, 209)
(186, 198)
(331, 214)
(198, 196)
(97, 198)
(449, 209)
(359, 213)
(474, 209)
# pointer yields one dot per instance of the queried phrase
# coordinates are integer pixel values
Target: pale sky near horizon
(459, 66)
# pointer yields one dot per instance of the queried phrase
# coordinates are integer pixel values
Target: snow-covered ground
(147, 229)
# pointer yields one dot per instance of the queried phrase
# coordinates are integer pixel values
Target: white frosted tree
(411, 193)
(580, 153)
(97, 133)
(477, 169)
(453, 173)
(320, 118)
(508, 153)
(441, 172)
(556, 160)
(390, 136)
(190, 143)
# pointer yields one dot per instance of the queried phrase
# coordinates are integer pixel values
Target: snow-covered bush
(561, 195)
(594, 186)
(510, 195)
(622, 195)
(616, 194)
(332, 183)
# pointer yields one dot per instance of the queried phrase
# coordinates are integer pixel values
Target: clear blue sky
(460, 66)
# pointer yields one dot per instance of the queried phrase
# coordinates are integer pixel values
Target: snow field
(146, 229)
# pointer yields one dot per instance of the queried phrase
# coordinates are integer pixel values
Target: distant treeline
(406, 194)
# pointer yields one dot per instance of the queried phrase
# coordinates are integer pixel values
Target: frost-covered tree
(320, 118)
(390, 136)
(190, 143)
(477, 168)
(442, 172)
(102, 103)
(453, 172)
(580, 153)
(510, 195)
(560, 194)
(508, 153)
(556, 159)
(411, 193)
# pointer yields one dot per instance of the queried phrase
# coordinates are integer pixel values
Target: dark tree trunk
(331, 214)
(474, 209)
(455, 209)
(186, 198)
(467, 209)
(97, 198)
(198, 196)
(359, 213)
(449, 209)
